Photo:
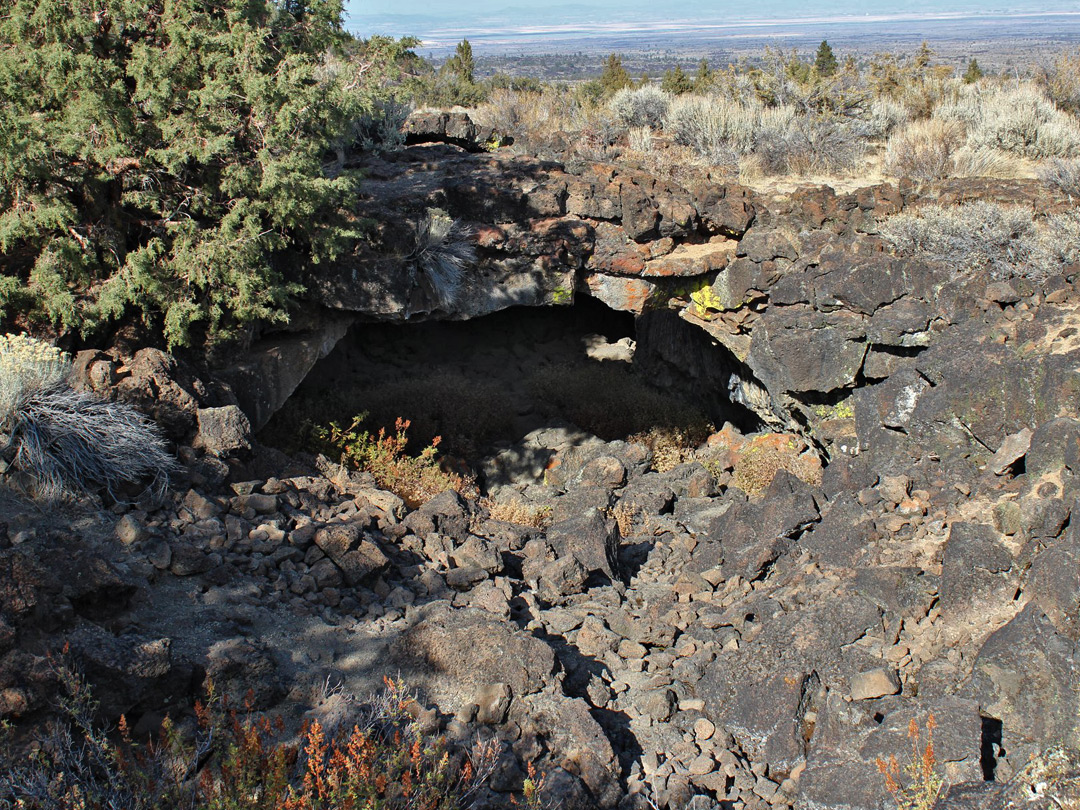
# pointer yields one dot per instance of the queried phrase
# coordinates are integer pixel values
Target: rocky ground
(665, 639)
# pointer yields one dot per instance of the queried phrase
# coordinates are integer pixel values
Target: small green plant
(532, 790)
(923, 781)
(415, 479)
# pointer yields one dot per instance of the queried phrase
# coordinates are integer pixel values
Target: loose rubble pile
(660, 638)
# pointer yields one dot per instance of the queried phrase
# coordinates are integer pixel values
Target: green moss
(562, 295)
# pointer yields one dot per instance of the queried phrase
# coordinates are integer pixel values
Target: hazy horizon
(506, 25)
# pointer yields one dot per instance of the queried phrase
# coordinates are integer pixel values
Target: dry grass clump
(538, 115)
(517, 511)
(758, 461)
(640, 139)
(1001, 240)
(520, 114)
(441, 254)
(934, 149)
(1062, 82)
(613, 402)
(237, 762)
(644, 106)
(924, 150)
(670, 447)
(56, 442)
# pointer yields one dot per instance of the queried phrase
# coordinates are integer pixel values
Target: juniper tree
(676, 81)
(167, 161)
(825, 62)
(704, 75)
(614, 77)
(973, 72)
(462, 64)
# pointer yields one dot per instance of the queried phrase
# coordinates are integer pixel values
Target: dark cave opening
(485, 383)
(990, 748)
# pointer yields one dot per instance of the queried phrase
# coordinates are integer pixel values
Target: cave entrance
(485, 383)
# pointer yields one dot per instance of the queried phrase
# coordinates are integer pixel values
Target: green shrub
(56, 442)
(169, 162)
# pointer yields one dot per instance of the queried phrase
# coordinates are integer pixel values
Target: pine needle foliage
(163, 159)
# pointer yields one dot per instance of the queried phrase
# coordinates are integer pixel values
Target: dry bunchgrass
(669, 447)
(640, 139)
(759, 460)
(1062, 81)
(538, 516)
(56, 442)
(924, 150)
(539, 115)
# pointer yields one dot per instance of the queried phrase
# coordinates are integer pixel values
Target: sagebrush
(1004, 241)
